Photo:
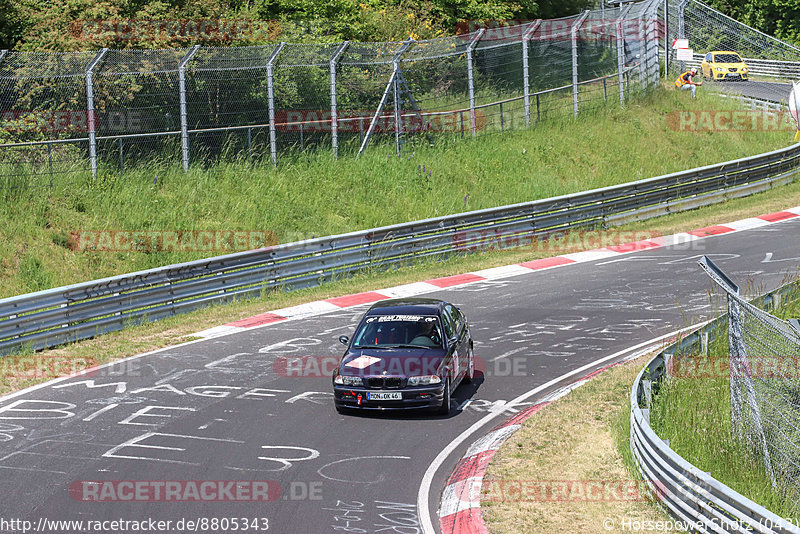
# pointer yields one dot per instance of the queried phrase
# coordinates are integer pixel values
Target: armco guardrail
(56, 316)
(691, 495)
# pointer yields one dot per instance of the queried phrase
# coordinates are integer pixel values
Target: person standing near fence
(685, 81)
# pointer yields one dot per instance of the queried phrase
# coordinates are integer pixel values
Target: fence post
(91, 123)
(184, 117)
(470, 80)
(121, 156)
(526, 38)
(334, 113)
(398, 126)
(667, 44)
(574, 39)
(681, 27)
(642, 52)
(273, 151)
(621, 53)
(3, 54)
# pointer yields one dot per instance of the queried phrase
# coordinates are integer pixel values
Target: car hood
(392, 362)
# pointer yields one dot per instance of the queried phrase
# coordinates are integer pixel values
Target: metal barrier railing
(56, 316)
(691, 495)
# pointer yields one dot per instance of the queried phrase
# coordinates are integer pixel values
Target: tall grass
(694, 413)
(313, 194)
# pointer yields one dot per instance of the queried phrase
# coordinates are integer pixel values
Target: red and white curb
(418, 288)
(460, 505)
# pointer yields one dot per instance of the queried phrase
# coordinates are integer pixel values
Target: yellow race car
(724, 66)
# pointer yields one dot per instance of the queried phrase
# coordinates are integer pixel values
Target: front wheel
(444, 409)
(470, 375)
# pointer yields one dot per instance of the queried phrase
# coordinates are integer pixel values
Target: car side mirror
(344, 340)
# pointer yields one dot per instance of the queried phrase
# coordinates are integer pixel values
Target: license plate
(393, 395)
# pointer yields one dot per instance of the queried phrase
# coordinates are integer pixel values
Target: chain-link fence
(708, 30)
(764, 358)
(90, 113)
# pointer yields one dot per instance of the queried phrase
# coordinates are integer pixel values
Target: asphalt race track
(220, 409)
(771, 91)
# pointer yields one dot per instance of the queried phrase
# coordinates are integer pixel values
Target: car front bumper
(412, 398)
(730, 76)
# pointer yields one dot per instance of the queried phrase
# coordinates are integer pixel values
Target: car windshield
(398, 331)
(727, 58)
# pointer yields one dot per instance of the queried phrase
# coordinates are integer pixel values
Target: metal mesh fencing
(77, 115)
(708, 31)
(764, 368)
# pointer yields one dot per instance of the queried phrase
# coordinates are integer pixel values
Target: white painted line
(221, 330)
(502, 272)
(590, 255)
(423, 495)
(674, 239)
(408, 290)
(309, 308)
(747, 224)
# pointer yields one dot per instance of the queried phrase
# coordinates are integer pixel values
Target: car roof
(407, 306)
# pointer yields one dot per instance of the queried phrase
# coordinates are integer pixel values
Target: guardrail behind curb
(79, 311)
(691, 495)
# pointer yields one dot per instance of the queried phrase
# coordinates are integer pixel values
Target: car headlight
(744, 69)
(426, 380)
(719, 69)
(345, 380)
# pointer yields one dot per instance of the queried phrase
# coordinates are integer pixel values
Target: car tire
(470, 374)
(444, 409)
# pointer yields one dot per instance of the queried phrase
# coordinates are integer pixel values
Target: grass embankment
(573, 457)
(693, 411)
(316, 195)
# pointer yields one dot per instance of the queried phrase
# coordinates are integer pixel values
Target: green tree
(780, 18)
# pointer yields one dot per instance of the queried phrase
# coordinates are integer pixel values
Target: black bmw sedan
(406, 353)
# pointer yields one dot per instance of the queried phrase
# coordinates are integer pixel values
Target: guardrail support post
(3, 54)
(334, 113)
(91, 122)
(184, 117)
(473, 126)
(526, 38)
(574, 39)
(389, 87)
(273, 151)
